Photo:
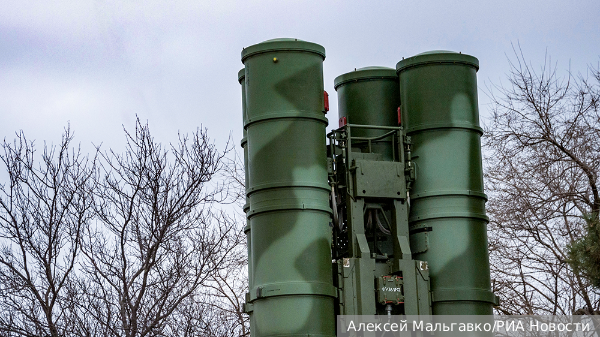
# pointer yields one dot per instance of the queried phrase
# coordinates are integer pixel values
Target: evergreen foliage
(584, 254)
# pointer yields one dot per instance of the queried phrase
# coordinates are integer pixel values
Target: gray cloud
(96, 64)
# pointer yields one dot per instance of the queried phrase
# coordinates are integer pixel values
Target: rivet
(275, 60)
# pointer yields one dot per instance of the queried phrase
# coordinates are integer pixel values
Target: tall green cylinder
(369, 96)
(292, 290)
(438, 94)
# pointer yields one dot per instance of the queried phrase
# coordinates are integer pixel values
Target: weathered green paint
(438, 93)
(292, 291)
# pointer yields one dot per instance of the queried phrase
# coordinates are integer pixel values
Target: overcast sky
(96, 64)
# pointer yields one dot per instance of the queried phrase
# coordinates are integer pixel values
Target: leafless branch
(543, 160)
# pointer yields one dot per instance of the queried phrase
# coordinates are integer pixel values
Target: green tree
(584, 254)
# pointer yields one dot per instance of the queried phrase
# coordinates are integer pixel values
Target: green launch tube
(438, 94)
(292, 291)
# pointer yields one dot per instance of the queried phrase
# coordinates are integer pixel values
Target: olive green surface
(438, 94)
(369, 175)
(244, 143)
(242, 80)
(369, 96)
(291, 291)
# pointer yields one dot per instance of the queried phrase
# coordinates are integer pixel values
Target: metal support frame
(364, 182)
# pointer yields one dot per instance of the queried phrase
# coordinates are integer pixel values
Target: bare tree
(225, 296)
(216, 310)
(160, 235)
(543, 161)
(45, 207)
